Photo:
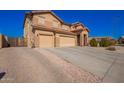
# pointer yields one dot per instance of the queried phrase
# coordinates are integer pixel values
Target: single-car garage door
(46, 41)
(67, 41)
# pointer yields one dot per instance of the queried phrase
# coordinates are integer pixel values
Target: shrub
(93, 43)
(113, 43)
(105, 43)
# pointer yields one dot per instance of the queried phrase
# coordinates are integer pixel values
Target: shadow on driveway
(2, 74)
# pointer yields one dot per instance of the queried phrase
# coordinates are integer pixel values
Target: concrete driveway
(106, 64)
(23, 65)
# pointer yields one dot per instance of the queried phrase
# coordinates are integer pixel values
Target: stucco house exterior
(45, 29)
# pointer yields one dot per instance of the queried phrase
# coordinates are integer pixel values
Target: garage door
(46, 41)
(67, 41)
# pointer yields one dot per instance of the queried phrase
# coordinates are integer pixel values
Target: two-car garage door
(66, 41)
(45, 41)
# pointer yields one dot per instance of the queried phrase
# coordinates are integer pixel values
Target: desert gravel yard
(106, 64)
(23, 65)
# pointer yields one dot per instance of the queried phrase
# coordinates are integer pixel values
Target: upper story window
(64, 27)
(41, 20)
(55, 24)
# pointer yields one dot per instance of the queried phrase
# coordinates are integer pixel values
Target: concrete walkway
(106, 64)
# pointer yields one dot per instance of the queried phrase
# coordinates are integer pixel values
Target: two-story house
(45, 29)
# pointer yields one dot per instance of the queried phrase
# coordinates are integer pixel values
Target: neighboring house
(121, 40)
(45, 29)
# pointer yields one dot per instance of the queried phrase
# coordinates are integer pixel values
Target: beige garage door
(67, 41)
(46, 41)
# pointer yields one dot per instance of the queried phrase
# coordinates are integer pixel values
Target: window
(64, 27)
(41, 20)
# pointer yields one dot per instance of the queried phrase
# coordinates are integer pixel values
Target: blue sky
(100, 23)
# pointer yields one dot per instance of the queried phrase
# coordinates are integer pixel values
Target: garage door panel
(46, 41)
(67, 41)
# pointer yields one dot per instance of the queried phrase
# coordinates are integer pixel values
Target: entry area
(45, 41)
(66, 41)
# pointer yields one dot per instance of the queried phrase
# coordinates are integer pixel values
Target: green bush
(105, 43)
(93, 43)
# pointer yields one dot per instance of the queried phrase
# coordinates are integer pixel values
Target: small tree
(105, 43)
(93, 43)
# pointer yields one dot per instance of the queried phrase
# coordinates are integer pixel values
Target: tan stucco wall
(27, 31)
(48, 20)
(26, 28)
(29, 34)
